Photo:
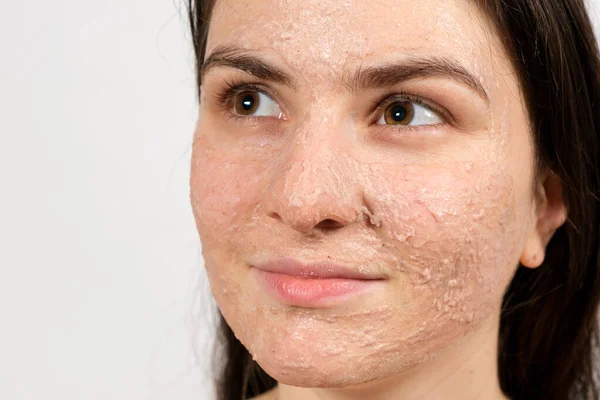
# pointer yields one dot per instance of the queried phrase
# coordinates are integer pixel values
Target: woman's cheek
(224, 192)
(452, 233)
(224, 189)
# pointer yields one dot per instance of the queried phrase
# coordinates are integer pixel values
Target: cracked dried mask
(388, 137)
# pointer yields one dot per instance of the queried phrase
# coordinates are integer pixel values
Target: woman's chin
(306, 366)
(314, 376)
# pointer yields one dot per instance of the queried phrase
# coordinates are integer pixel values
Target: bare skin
(389, 137)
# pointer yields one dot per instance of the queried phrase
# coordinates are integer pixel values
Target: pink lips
(312, 285)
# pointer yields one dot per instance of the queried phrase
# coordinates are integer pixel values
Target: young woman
(399, 199)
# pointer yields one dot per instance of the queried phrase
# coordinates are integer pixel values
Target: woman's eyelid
(380, 105)
(230, 89)
(236, 91)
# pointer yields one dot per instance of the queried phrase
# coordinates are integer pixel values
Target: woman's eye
(257, 104)
(408, 113)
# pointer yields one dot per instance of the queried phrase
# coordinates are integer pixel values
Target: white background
(102, 290)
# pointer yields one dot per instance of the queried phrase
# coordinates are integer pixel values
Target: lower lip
(303, 292)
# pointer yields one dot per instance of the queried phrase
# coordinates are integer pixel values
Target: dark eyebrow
(233, 57)
(372, 77)
(391, 73)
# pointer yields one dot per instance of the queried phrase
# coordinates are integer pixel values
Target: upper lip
(316, 270)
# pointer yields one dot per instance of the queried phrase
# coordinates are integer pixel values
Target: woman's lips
(312, 285)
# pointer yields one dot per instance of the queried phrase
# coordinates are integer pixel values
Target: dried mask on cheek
(447, 231)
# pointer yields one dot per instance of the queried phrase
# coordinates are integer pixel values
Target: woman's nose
(315, 188)
(324, 213)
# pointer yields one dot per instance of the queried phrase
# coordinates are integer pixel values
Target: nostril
(275, 216)
(329, 224)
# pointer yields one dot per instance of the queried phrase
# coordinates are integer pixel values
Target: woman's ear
(550, 214)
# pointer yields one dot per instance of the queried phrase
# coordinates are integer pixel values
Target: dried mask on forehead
(322, 37)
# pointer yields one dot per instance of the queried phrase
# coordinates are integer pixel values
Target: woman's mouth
(313, 285)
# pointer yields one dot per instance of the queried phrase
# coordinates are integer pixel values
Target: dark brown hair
(548, 327)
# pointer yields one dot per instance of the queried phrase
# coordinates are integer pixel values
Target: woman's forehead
(317, 35)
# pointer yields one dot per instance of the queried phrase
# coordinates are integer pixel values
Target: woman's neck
(466, 371)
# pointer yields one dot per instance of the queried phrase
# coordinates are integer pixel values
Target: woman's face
(388, 137)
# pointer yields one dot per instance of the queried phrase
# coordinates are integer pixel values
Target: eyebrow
(371, 77)
(228, 56)
(413, 68)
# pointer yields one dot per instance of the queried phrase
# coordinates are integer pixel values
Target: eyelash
(232, 88)
(384, 101)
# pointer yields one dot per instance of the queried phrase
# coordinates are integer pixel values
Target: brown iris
(246, 103)
(399, 113)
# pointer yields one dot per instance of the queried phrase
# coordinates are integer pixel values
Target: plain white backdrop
(99, 253)
(102, 288)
